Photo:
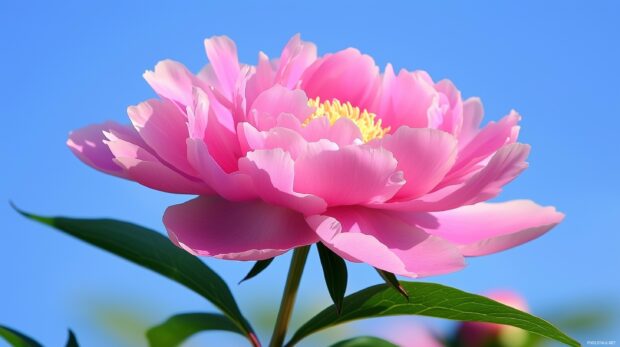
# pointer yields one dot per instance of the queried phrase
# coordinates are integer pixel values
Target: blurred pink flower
(383, 168)
(411, 335)
(483, 334)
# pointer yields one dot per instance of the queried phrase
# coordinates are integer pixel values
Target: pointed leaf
(180, 327)
(17, 339)
(391, 280)
(427, 299)
(335, 273)
(258, 267)
(364, 341)
(154, 251)
(72, 341)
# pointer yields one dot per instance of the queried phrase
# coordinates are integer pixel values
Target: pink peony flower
(411, 335)
(383, 168)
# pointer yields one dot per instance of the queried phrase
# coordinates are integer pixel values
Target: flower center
(369, 126)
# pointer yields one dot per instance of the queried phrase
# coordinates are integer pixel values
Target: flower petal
(210, 122)
(424, 155)
(380, 239)
(273, 173)
(146, 168)
(213, 150)
(296, 56)
(408, 99)
(172, 80)
(279, 137)
(473, 112)
(346, 75)
(452, 107)
(88, 145)
(486, 142)
(503, 167)
(222, 54)
(351, 175)
(233, 186)
(262, 79)
(163, 127)
(275, 101)
(343, 132)
(252, 230)
(486, 228)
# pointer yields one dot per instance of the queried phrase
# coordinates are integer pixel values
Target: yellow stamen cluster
(369, 126)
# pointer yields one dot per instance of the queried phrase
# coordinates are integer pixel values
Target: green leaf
(391, 280)
(258, 267)
(17, 339)
(335, 273)
(178, 328)
(154, 251)
(364, 341)
(72, 341)
(427, 299)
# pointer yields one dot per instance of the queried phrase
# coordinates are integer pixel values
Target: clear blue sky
(71, 63)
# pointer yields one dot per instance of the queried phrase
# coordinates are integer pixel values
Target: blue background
(68, 64)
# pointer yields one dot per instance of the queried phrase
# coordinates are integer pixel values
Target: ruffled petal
(144, 167)
(349, 176)
(409, 99)
(296, 56)
(88, 145)
(473, 112)
(451, 105)
(234, 186)
(343, 132)
(253, 230)
(250, 138)
(277, 100)
(424, 155)
(211, 123)
(346, 75)
(222, 54)
(378, 238)
(118, 150)
(172, 80)
(486, 228)
(262, 79)
(287, 139)
(483, 144)
(163, 126)
(503, 167)
(383, 99)
(273, 174)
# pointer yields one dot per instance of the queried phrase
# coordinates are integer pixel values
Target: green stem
(288, 298)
